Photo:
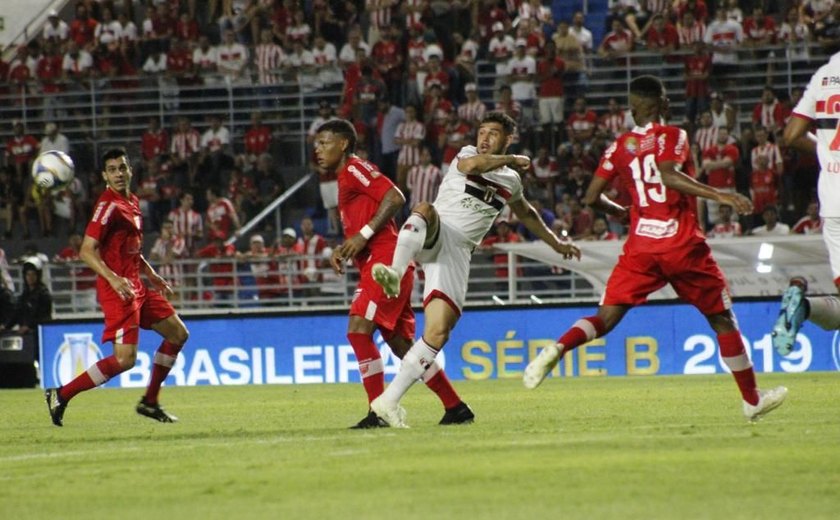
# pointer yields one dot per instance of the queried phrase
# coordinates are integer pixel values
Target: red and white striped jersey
(472, 113)
(187, 224)
(706, 137)
(220, 215)
(410, 154)
(808, 226)
(313, 247)
(691, 35)
(726, 230)
(379, 12)
(413, 11)
(269, 58)
(164, 251)
(615, 123)
(771, 151)
(184, 145)
(423, 182)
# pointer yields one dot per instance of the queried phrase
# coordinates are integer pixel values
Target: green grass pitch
(644, 447)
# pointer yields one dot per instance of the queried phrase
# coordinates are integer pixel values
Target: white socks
(415, 363)
(825, 311)
(409, 242)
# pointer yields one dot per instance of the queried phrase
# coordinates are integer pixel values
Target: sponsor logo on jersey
(829, 81)
(631, 145)
(358, 175)
(653, 228)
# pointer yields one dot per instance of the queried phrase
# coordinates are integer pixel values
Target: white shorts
(447, 268)
(329, 194)
(831, 236)
(551, 110)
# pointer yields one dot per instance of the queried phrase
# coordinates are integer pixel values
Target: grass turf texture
(648, 447)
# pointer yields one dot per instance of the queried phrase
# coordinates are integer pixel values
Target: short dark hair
(649, 87)
(507, 122)
(113, 153)
(342, 128)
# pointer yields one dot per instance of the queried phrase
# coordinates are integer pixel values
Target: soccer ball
(53, 170)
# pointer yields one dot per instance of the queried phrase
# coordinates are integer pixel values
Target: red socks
(436, 380)
(163, 362)
(370, 363)
(95, 375)
(735, 356)
(584, 329)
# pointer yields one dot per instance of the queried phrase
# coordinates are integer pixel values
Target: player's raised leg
(796, 308)
(412, 237)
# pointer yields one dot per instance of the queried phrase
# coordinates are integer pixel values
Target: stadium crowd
(407, 74)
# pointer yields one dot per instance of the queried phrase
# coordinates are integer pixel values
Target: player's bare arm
(482, 163)
(674, 179)
(596, 199)
(526, 214)
(796, 135)
(89, 253)
(390, 204)
(154, 278)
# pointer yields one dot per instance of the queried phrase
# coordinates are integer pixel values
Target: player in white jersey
(821, 105)
(442, 236)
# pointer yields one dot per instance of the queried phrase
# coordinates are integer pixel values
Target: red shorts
(122, 318)
(393, 316)
(691, 271)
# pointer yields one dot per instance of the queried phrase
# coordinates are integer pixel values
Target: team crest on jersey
(489, 193)
(631, 145)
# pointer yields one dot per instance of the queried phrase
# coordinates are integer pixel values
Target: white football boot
(768, 400)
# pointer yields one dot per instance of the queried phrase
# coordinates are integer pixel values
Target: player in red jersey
(367, 202)
(665, 244)
(112, 248)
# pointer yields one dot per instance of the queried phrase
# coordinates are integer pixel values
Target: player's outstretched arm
(596, 199)
(677, 180)
(89, 254)
(532, 220)
(482, 163)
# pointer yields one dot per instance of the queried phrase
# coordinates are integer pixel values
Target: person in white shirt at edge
(442, 236)
(820, 104)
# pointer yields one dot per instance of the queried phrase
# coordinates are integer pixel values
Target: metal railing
(307, 282)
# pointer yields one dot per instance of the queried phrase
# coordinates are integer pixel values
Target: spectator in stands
(811, 223)
(257, 141)
(33, 305)
(154, 142)
(50, 72)
(288, 251)
(205, 60)
(232, 58)
(662, 37)
(615, 121)
(541, 180)
(436, 111)
(350, 49)
(186, 29)
(512, 108)
(827, 32)
(262, 266)
(725, 226)
(222, 220)
(522, 71)
(326, 63)
(269, 181)
(186, 149)
(580, 32)
(21, 73)
(698, 67)
(764, 185)
(216, 152)
(269, 59)
(423, 180)
(155, 66)
(724, 37)
(435, 75)
(386, 148)
(369, 90)
(581, 123)
(696, 7)
(723, 114)
(456, 134)
(767, 149)
(21, 148)
(600, 231)
(719, 167)
(54, 140)
(467, 51)
(300, 64)
(504, 234)
(569, 50)
(473, 109)
(380, 13)
(796, 36)
(579, 219)
(771, 226)
(409, 136)
(55, 30)
(221, 271)
(166, 253)
(69, 204)
(313, 246)
(760, 31)
(387, 54)
(10, 197)
(187, 222)
(107, 30)
(691, 31)
(768, 112)
(550, 72)
(82, 28)
(616, 45)
(128, 30)
(500, 49)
